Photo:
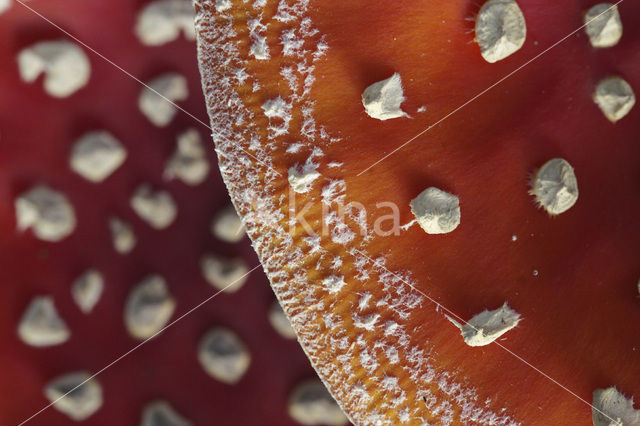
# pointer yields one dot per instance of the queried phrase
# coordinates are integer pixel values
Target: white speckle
(65, 65)
(535, 272)
(87, 289)
(156, 208)
(41, 325)
(122, 236)
(158, 107)
(615, 406)
(422, 109)
(189, 162)
(148, 308)
(223, 355)
(311, 404)
(382, 100)
(603, 25)
(436, 211)
(333, 284)
(161, 21)
(615, 97)
(227, 226)
(277, 108)
(161, 413)
(223, 5)
(500, 29)
(555, 186)
(280, 322)
(47, 212)
(514, 238)
(96, 155)
(364, 301)
(259, 48)
(228, 274)
(487, 326)
(79, 404)
(301, 178)
(367, 322)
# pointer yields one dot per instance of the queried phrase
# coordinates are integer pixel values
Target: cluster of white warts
(95, 156)
(500, 32)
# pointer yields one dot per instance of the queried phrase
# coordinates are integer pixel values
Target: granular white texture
(500, 29)
(161, 413)
(122, 236)
(311, 404)
(96, 155)
(161, 21)
(487, 326)
(611, 408)
(436, 211)
(555, 186)
(280, 322)
(65, 65)
(382, 100)
(333, 283)
(615, 97)
(47, 212)
(157, 104)
(227, 226)
(228, 274)
(301, 177)
(603, 25)
(148, 308)
(80, 395)
(223, 355)
(87, 289)
(156, 208)
(41, 325)
(189, 162)
(223, 5)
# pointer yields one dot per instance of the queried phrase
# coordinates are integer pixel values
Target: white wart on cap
(189, 162)
(157, 208)
(148, 308)
(122, 235)
(156, 102)
(311, 404)
(161, 413)
(96, 155)
(161, 21)
(228, 274)
(382, 100)
(436, 211)
(77, 403)
(500, 29)
(487, 326)
(227, 226)
(555, 186)
(611, 408)
(615, 97)
(65, 65)
(47, 212)
(87, 289)
(41, 325)
(603, 25)
(223, 355)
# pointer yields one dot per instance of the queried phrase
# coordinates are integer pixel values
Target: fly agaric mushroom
(499, 106)
(105, 218)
